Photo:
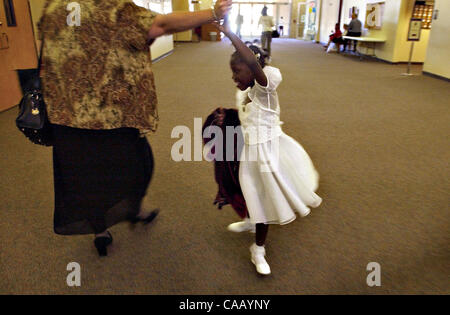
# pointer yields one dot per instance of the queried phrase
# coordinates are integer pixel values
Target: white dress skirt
(274, 192)
(277, 177)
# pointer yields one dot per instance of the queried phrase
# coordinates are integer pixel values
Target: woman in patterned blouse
(99, 89)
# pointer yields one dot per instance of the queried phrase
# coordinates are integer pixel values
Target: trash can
(310, 34)
(213, 36)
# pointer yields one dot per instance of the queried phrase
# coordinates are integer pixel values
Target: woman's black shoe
(146, 220)
(101, 242)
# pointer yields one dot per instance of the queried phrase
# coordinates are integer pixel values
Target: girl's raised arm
(246, 53)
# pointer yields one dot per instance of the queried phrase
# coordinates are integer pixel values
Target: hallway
(378, 140)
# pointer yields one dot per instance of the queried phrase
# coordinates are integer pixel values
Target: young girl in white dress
(276, 175)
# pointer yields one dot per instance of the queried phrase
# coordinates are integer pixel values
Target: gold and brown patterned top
(98, 75)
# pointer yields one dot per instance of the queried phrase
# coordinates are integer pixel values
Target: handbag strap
(40, 56)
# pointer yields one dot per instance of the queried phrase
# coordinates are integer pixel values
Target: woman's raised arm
(181, 21)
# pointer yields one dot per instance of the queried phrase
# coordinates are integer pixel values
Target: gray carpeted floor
(379, 141)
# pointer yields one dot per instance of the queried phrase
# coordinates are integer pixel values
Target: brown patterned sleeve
(135, 21)
(145, 17)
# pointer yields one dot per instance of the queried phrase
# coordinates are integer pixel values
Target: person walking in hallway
(99, 89)
(281, 27)
(267, 24)
(239, 22)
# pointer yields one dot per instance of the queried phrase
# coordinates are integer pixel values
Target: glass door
(311, 17)
(246, 12)
(251, 12)
(256, 15)
(301, 19)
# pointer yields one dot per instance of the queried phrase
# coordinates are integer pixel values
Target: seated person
(336, 38)
(354, 30)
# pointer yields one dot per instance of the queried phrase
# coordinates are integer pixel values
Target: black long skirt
(100, 177)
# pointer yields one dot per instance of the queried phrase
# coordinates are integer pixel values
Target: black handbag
(32, 120)
(275, 34)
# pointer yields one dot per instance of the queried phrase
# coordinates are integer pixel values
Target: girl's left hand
(224, 27)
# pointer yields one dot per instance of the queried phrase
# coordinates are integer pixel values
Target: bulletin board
(424, 11)
(415, 28)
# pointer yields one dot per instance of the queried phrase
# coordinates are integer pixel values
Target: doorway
(17, 49)
(251, 12)
(301, 19)
(311, 20)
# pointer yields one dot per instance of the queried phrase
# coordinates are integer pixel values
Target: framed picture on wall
(9, 12)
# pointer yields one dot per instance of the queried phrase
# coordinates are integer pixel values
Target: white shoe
(242, 226)
(258, 253)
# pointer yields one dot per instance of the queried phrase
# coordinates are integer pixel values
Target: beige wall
(206, 4)
(403, 47)
(395, 26)
(182, 5)
(437, 60)
(329, 17)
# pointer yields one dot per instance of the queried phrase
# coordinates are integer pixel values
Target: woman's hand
(222, 7)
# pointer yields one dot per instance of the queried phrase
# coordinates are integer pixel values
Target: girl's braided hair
(259, 53)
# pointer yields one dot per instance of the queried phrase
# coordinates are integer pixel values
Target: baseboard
(162, 56)
(6, 109)
(405, 63)
(436, 76)
(398, 62)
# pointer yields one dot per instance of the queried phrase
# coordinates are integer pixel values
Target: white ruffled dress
(277, 176)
